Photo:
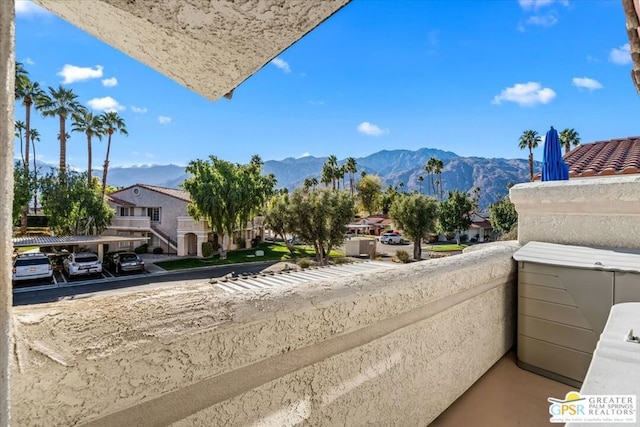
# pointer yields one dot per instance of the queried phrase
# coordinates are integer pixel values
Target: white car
(82, 263)
(391, 238)
(32, 266)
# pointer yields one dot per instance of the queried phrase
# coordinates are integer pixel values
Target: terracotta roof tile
(603, 158)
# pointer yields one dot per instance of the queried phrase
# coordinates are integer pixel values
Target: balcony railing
(131, 223)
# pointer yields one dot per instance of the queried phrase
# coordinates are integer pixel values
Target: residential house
(160, 213)
(480, 228)
(371, 225)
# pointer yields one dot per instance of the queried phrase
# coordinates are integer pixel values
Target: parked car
(124, 261)
(32, 266)
(82, 263)
(391, 238)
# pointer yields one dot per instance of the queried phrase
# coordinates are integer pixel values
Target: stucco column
(7, 73)
(200, 240)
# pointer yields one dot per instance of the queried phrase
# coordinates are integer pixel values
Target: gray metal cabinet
(565, 294)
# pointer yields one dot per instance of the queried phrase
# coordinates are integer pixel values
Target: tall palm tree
(29, 93)
(438, 165)
(420, 180)
(84, 121)
(568, 138)
(529, 140)
(351, 167)
(60, 103)
(19, 127)
(332, 167)
(112, 123)
(430, 168)
(22, 76)
(326, 176)
(35, 136)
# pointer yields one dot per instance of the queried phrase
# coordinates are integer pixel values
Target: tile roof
(614, 157)
(119, 201)
(173, 192)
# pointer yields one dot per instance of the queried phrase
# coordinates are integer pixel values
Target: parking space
(61, 278)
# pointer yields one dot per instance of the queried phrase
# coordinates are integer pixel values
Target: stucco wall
(590, 212)
(7, 73)
(389, 348)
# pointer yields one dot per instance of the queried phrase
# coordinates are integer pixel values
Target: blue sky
(463, 76)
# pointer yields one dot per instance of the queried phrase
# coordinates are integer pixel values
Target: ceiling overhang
(632, 14)
(208, 46)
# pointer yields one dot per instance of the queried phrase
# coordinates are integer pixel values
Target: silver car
(82, 263)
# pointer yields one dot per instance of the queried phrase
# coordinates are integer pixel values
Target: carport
(20, 242)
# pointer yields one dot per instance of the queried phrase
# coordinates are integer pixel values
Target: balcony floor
(504, 396)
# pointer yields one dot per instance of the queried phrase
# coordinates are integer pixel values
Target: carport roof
(71, 240)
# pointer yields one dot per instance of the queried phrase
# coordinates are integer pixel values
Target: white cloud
(586, 83)
(105, 104)
(537, 4)
(525, 94)
(621, 55)
(27, 7)
(305, 154)
(547, 20)
(371, 129)
(139, 110)
(110, 82)
(163, 120)
(72, 73)
(28, 61)
(282, 64)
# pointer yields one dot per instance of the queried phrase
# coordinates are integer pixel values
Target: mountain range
(492, 175)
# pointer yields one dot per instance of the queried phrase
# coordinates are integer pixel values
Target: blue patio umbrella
(553, 167)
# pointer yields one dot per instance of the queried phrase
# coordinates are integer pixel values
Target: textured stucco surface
(7, 73)
(208, 46)
(590, 212)
(351, 350)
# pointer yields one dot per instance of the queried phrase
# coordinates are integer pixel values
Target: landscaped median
(272, 252)
(446, 248)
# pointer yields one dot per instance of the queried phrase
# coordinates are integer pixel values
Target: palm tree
(35, 136)
(60, 103)
(420, 180)
(30, 92)
(430, 168)
(569, 137)
(84, 121)
(438, 165)
(529, 140)
(326, 176)
(22, 76)
(19, 127)
(351, 167)
(112, 123)
(332, 167)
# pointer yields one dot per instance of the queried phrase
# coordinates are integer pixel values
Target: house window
(126, 211)
(154, 214)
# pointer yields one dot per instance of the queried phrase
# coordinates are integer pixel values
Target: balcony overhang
(210, 47)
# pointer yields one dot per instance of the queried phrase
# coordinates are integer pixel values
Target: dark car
(124, 261)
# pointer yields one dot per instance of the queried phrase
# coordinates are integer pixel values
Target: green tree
(320, 217)
(455, 213)
(21, 190)
(19, 128)
(112, 123)
(84, 121)
(421, 180)
(503, 215)
(529, 140)
(351, 167)
(568, 138)
(416, 215)
(369, 192)
(226, 194)
(60, 103)
(387, 198)
(279, 218)
(22, 77)
(72, 206)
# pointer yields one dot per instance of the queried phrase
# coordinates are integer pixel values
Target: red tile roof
(614, 157)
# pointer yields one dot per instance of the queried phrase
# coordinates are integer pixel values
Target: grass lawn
(446, 248)
(272, 252)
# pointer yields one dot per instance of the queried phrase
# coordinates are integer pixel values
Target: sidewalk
(151, 259)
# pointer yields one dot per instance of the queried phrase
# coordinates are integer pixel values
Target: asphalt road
(87, 288)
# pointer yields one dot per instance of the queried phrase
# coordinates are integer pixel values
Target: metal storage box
(565, 294)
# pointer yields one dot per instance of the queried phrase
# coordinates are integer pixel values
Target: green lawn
(446, 248)
(272, 252)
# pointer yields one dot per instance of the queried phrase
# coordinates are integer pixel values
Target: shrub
(216, 246)
(464, 237)
(304, 263)
(158, 250)
(142, 249)
(342, 260)
(241, 242)
(207, 249)
(403, 256)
